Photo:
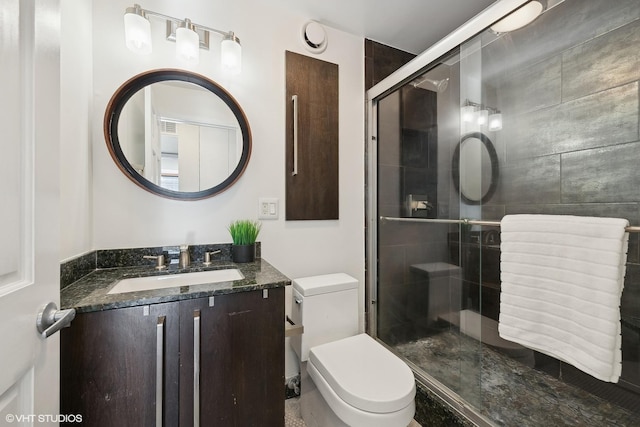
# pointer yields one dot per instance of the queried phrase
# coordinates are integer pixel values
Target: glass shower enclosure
(541, 119)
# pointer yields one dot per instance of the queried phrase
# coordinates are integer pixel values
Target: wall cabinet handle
(294, 98)
(196, 368)
(159, 369)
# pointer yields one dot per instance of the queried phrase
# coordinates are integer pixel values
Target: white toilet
(348, 379)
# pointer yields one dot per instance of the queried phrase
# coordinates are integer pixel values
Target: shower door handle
(294, 98)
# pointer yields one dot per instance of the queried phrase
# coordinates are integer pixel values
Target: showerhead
(440, 85)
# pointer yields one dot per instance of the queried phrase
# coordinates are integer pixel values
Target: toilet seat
(364, 374)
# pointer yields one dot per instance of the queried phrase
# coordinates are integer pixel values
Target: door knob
(50, 320)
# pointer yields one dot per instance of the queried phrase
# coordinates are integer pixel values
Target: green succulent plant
(244, 231)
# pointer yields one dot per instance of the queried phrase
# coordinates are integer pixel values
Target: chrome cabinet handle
(50, 320)
(294, 98)
(196, 368)
(159, 369)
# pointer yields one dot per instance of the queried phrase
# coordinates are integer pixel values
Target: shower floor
(506, 391)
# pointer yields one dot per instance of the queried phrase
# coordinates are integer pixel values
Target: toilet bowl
(348, 378)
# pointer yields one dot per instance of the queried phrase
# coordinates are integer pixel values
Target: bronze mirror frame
(133, 85)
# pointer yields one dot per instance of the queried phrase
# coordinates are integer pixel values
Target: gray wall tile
(610, 60)
(602, 175)
(532, 88)
(531, 181)
(604, 118)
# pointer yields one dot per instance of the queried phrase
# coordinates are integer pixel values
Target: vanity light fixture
(189, 37)
(519, 18)
(495, 121)
(482, 114)
(187, 43)
(468, 113)
(231, 53)
(137, 30)
(483, 117)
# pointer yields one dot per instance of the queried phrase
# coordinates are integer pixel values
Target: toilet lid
(365, 374)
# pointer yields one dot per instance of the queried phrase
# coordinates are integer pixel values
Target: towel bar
(630, 229)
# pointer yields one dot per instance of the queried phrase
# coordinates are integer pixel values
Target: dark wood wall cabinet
(312, 138)
(202, 362)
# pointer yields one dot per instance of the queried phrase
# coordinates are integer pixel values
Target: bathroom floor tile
(292, 415)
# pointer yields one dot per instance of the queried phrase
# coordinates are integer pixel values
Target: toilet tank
(327, 307)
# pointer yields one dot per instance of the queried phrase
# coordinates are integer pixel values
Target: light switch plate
(268, 208)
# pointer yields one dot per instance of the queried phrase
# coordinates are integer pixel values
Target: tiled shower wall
(568, 88)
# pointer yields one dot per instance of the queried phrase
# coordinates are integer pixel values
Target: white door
(29, 219)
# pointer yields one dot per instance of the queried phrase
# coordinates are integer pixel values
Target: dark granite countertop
(90, 292)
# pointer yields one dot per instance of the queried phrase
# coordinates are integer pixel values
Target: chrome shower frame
(400, 77)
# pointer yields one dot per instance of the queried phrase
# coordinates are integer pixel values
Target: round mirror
(177, 134)
(475, 168)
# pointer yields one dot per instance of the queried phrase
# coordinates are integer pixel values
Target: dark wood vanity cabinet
(220, 362)
(311, 138)
(241, 343)
(109, 365)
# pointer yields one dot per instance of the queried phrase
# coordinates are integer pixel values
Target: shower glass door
(538, 120)
(429, 268)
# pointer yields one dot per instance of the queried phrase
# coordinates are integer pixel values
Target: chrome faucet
(185, 259)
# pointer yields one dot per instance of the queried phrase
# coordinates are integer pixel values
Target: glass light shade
(519, 18)
(467, 113)
(231, 54)
(187, 46)
(495, 122)
(483, 117)
(137, 33)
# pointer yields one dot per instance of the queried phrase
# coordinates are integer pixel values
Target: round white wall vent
(314, 37)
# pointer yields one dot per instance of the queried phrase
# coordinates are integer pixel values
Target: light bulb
(483, 117)
(187, 43)
(495, 122)
(137, 31)
(231, 54)
(467, 113)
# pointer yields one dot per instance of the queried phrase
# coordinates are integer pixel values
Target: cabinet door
(116, 365)
(232, 360)
(312, 138)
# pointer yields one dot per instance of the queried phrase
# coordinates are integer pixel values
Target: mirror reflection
(180, 136)
(177, 134)
(475, 168)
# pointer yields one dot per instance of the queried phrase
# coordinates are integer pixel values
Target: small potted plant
(244, 233)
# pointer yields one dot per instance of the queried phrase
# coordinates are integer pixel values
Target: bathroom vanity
(204, 354)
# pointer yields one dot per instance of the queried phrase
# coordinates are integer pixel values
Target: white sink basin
(174, 280)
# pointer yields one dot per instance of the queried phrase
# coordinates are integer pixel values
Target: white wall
(75, 129)
(127, 216)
